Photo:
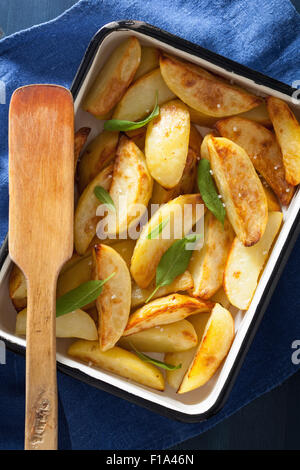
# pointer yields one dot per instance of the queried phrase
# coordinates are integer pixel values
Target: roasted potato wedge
(98, 154)
(131, 189)
(241, 189)
(139, 100)
(167, 142)
(120, 362)
(181, 283)
(77, 324)
(258, 114)
(86, 220)
(244, 264)
(178, 336)
(165, 310)
(80, 139)
(287, 130)
(17, 288)
(263, 150)
(147, 253)
(113, 304)
(203, 91)
(149, 61)
(207, 265)
(114, 78)
(175, 377)
(186, 184)
(216, 341)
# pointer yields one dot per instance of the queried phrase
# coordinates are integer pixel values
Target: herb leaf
(156, 362)
(80, 296)
(173, 262)
(208, 191)
(120, 125)
(104, 197)
(157, 230)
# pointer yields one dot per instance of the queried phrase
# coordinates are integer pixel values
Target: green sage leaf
(208, 191)
(104, 197)
(80, 296)
(156, 362)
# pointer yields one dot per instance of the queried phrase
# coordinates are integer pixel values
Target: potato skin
(114, 78)
(80, 139)
(203, 91)
(241, 189)
(263, 150)
(165, 310)
(287, 130)
(213, 348)
(113, 304)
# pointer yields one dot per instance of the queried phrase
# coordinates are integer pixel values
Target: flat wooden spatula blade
(41, 190)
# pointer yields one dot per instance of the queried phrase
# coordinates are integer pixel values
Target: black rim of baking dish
(258, 78)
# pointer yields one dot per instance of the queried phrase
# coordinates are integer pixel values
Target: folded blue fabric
(263, 34)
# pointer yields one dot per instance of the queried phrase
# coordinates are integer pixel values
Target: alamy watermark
(296, 354)
(2, 353)
(2, 92)
(181, 219)
(296, 93)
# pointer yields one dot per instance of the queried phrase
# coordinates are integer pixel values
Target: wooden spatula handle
(41, 386)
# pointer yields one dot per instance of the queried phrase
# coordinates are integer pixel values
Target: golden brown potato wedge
(113, 304)
(86, 220)
(263, 150)
(139, 100)
(99, 153)
(287, 130)
(258, 114)
(77, 324)
(204, 149)
(114, 78)
(167, 142)
(207, 265)
(178, 336)
(131, 189)
(244, 264)
(175, 377)
(186, 184)
(17, 288)
(216, 341)
(165, 310)
(241, 189)
(203, 91)
(147, 253)
(149, 61)
(80, 139)
(118, 361)
(181, 283)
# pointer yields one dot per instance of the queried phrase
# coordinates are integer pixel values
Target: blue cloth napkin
(263, 34)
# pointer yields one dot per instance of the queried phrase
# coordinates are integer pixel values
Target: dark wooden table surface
(271, 421)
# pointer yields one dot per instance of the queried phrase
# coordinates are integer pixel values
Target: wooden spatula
(41, 189)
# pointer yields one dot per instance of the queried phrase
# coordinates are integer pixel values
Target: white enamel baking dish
(207, 400)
